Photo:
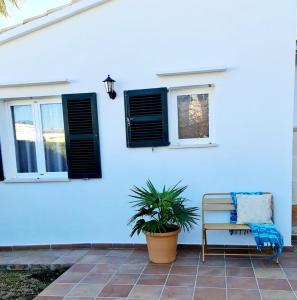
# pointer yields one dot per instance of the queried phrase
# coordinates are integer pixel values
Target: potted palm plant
(161, 215)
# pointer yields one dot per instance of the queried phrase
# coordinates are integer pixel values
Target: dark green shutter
(1, 167)
(82, 135)
(146, 118)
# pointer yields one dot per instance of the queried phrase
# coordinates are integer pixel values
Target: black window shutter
(146, 118)
(1, 167)
(82, 135)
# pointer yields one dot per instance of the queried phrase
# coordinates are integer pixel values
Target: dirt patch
(25, 285)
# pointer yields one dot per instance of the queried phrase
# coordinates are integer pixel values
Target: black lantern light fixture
(109, 85)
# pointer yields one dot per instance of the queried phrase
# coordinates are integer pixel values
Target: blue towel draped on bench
(264, 234)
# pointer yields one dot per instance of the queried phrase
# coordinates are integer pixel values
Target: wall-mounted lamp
(109, 85)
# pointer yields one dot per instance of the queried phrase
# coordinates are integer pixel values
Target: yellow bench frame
(223, 202)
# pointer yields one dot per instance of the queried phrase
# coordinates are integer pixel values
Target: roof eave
(49, 19)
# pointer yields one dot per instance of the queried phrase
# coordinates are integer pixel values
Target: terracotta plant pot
(162, 246)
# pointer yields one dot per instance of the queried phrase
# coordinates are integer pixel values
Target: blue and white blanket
(264, 234)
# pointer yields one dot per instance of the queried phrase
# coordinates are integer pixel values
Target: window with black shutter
(1, 167)
(146, 117)
(81, 135)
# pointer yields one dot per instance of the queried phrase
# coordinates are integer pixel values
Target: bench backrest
(220, 202)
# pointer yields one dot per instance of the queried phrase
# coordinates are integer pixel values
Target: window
(191, 114)
(37, 139)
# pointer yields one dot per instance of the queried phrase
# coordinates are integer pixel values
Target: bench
(223, 202)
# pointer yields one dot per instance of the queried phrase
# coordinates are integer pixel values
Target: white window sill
(35, 180)
(179, 146)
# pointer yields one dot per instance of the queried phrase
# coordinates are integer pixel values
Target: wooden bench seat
(225, 226)
(218, 202)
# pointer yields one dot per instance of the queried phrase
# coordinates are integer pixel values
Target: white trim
(7, 99)
(193, 146)
(199, 86)
(177, 143)
(193, 71)
(37, 180)
(33, 83)
(50, 19)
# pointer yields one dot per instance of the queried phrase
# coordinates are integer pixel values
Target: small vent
(146, 118)
(81, 134)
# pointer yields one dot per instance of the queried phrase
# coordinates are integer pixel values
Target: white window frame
(173, 117)
(11, 173)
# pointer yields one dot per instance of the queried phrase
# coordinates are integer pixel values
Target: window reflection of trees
(193, 116)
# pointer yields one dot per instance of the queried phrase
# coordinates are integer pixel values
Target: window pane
(193, 116)
(53, 137)
(24, 134)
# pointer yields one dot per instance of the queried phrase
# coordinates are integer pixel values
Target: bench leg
(203, 244)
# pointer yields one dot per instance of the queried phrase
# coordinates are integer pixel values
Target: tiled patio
(127, 274)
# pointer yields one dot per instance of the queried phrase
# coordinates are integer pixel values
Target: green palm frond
(161, 211)
(3, 6)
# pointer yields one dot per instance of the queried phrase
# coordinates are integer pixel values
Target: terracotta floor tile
(124, 279)
(105, 268)
(78, 298)
(90, 259)
(184, 270)
(294, 284)
(291, 273)
(114, 290)
(288, 262)
(238, 262)
(211, 281)
(85, 290)
(274, 284)
(78, 252)
(177, 293)
(186, 261)
(110, 298)
(188, 253)
(120, 252)
(57, 289)
(278, 295)
(269, 273)
(97, 278)
(66, 260)
(81, 268)
(240, 272)
(113, 260)
(264, 263)
(140, 252)
(131, 268)
(137, 260)
(70, 277)
(97, 252)
(210, 294)
(237, 294)
(181, 280)
(241, 283)
(152, 279)
(213, 261)
(157, 269)
(211, 271)
(145, 292)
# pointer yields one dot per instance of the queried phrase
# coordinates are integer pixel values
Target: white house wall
(132, 41)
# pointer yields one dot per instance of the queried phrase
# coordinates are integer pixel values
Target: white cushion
(254, 209)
